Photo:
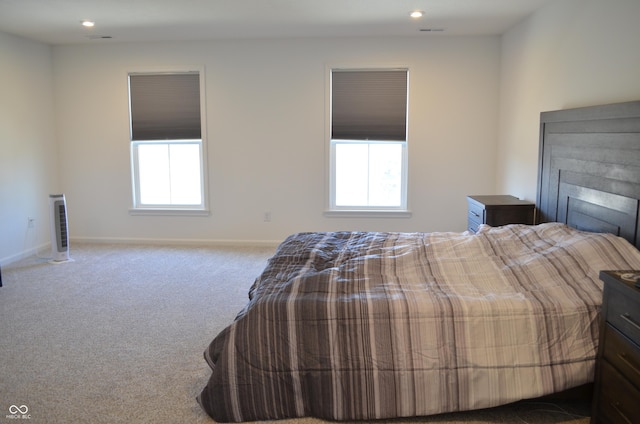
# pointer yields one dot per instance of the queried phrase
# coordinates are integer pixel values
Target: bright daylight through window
(368, 139)
(166, 140)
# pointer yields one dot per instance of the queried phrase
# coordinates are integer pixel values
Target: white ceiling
(58, 21)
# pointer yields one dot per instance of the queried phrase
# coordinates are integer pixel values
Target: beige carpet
(117, 334)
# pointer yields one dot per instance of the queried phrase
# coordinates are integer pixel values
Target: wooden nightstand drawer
(476, 212)
(619, 399)
(473, 226)
(616, 395)
(623, 354)
(475, 218)
(623, 312)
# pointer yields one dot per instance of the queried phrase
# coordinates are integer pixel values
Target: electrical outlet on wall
(267, 216)
(31, 222)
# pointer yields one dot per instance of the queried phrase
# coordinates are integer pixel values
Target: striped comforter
(364, 325)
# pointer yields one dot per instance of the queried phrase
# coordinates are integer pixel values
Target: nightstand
(616, 395)
(498, 210)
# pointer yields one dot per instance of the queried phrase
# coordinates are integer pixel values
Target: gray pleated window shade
(165, 106)
(369, 105)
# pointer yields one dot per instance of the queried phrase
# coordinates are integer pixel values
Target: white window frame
(335, 210)
(139, 208)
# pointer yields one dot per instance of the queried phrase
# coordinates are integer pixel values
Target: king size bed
(368, 325)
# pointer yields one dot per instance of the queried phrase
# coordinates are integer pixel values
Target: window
(368, 145)
(166, 141)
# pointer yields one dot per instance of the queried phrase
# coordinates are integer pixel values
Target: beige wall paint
(571, 53)
(266, 133)
(475, 105)
(28, 152)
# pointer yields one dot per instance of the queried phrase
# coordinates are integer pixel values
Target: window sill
(367, 214)
(169, 212)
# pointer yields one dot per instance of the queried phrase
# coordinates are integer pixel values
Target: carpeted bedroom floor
(117, 334)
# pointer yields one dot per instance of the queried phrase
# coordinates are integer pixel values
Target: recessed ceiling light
(416, 14)
(88, 24)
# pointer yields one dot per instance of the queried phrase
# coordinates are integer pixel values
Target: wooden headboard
(589, 169)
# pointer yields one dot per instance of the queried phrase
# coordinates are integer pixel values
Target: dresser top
(498, 200)
(627, 277)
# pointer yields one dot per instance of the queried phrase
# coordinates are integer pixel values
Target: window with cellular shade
(369, 105)
(165, 106)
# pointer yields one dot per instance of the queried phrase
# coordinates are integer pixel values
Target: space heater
(59, 230)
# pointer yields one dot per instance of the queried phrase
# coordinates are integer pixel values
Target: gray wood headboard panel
(589, 169)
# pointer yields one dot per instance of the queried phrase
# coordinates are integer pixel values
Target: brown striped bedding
(365, 325)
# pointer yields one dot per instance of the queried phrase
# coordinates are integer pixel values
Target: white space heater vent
(59, 230)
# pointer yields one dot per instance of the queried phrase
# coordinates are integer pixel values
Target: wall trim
(33, 251)
(175, 242)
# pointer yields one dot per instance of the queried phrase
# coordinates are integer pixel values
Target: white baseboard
(33, 251)
(174, 242)
(147, 241)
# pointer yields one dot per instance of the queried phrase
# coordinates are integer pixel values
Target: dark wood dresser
(498, 210)
(616, 397)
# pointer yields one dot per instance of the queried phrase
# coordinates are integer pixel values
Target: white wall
(266, 133)
(475, 104)
(571, 53)
(28, 153)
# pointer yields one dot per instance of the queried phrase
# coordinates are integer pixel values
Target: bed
(367, 325)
